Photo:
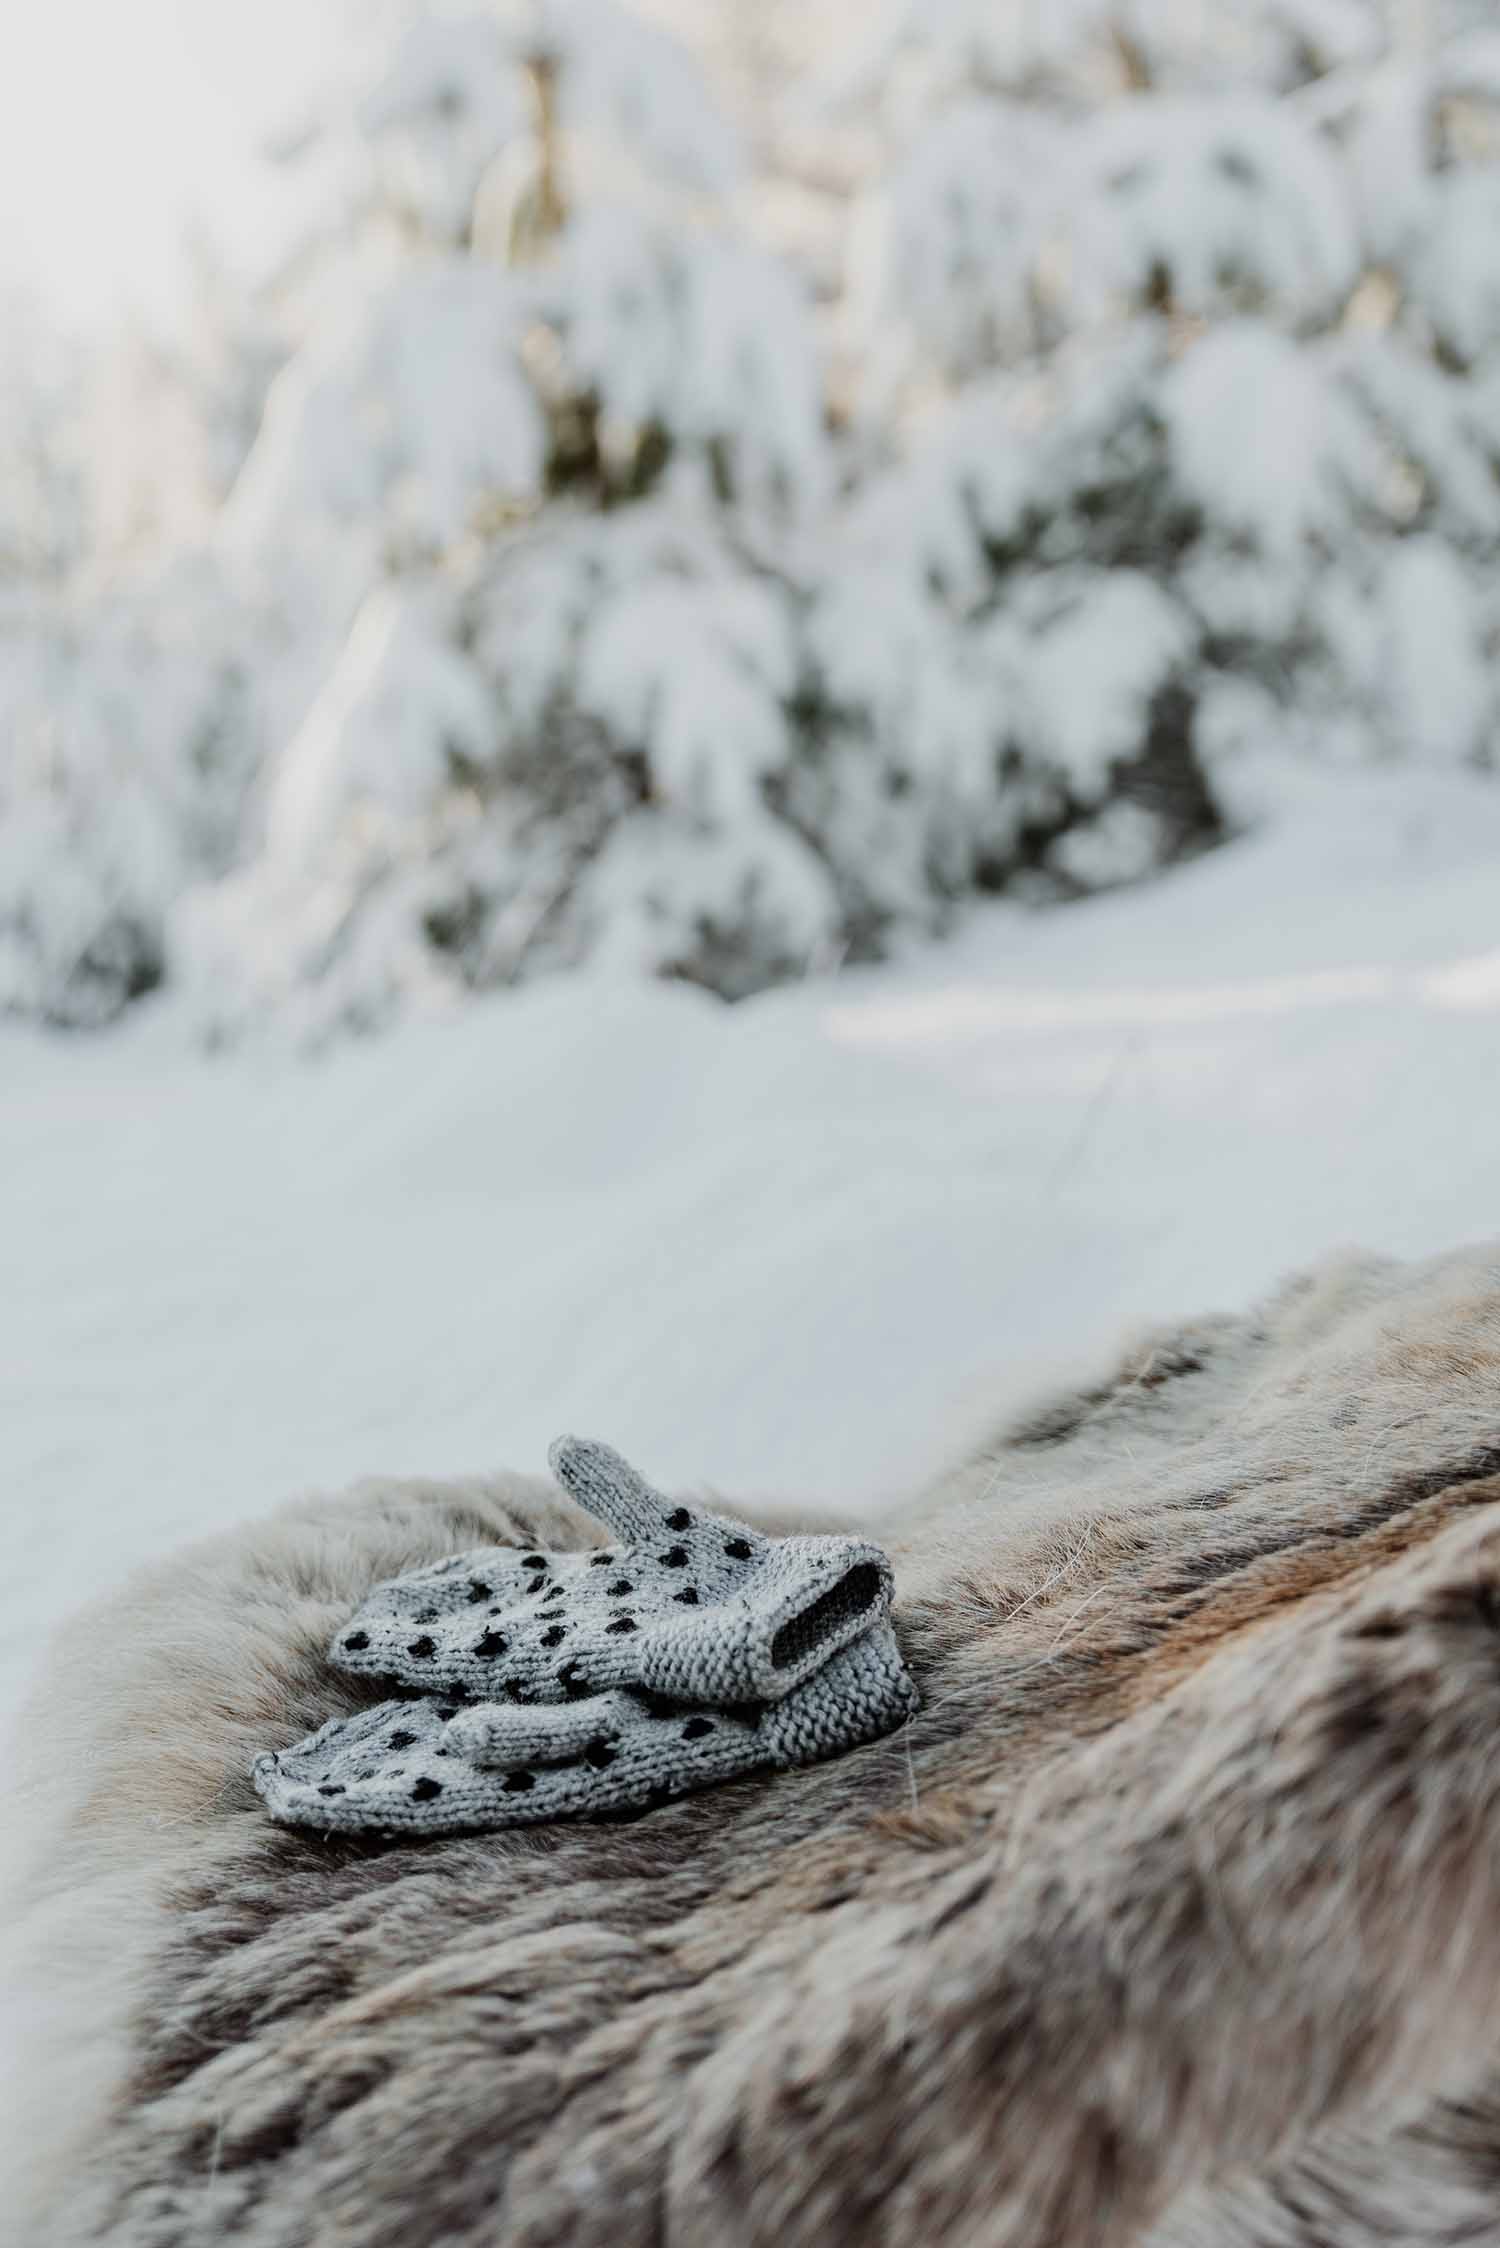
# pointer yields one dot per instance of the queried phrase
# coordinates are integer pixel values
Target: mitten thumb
(510, 1733)
(610, 1488)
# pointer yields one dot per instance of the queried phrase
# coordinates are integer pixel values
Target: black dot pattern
(686, 1615)
(410, 1769)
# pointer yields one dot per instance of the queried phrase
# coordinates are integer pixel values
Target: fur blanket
(1174, 1918)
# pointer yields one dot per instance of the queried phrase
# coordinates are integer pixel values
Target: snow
(705, 336)
(1456, 272)
(436, 105)
(628, 79)
(1263, 438)
(560, 557)
(1437, 672)
(350, 436)
(1232, 200)
(368, 740)
(797, 1245)
(1087, 650)
(882, 648)
(947, 242)
(693, 670)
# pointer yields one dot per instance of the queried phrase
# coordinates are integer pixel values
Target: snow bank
(791, 1246)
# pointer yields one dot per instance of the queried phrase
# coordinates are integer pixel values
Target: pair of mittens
(592, 1684)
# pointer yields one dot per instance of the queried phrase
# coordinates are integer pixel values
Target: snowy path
(789, 1246)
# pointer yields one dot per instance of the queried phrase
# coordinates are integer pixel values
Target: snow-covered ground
(796, 1245)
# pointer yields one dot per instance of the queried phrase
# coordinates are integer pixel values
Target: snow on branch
(712, 498)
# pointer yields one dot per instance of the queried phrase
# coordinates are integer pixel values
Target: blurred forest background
(712, 489)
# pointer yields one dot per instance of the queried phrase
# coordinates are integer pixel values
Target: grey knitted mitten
(689, 1605)
(433, 1767)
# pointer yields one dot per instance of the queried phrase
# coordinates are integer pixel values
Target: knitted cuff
(865, 1691)
(807, 1598)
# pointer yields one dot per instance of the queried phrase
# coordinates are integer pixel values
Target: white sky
(123, 122)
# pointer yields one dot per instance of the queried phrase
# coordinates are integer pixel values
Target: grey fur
(1173, 1917)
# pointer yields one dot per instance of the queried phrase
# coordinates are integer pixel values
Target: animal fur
(1173, 1919)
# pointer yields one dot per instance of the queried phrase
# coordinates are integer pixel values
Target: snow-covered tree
(553, 440)
(737, 491)
(1206, 296)
(141, 678)
(44, 526)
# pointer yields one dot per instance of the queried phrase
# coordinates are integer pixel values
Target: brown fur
(1174, 1917)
